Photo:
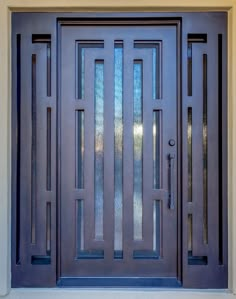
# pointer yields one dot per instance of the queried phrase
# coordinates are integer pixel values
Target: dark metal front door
(118, 152)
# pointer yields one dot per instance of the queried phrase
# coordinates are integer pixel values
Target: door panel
(117, 119)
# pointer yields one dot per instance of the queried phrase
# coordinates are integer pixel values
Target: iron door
(118, 177)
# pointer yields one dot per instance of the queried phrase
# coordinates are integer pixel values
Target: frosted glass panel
(118, 124)
(190, 154)
(80, 226)
(155, 46)
(138, 149)
(156, 226)
(156, 149)
(80, 69)
(190, 233)
(154, 73)
(99, 151)
(82, 72)
(79, 148)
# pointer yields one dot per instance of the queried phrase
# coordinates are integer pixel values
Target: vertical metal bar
(128, 153)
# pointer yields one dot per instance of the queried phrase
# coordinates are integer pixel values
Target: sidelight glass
(80, 226)
(154, 74)
(190, 233)
(118, 124)
(79, 149)
(99, 148)
(138, 148)
(156, 226)
(82, 72)
(190, 154)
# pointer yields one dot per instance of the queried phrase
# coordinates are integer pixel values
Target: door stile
(109, 151)
(128, 177)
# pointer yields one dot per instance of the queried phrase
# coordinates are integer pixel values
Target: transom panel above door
(118, 173)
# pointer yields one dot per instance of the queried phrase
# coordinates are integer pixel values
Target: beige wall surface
(6, 7)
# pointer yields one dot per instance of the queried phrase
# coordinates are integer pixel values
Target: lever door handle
(171, 158)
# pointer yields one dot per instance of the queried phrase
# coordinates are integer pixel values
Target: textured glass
(156, 149)
(80, 226)
(118, 123)
(190, 233)
(156, 64)
(79, 139)
(154, 73)
(99, 151)
(190, 154)
(82, 72)
(138, 149)
(156, 226)
(190, 83)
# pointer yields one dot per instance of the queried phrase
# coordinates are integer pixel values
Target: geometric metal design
(119, 150)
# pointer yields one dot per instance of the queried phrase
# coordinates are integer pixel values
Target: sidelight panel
(48, 228)
(81, 82)
(190, 154)
(79, 149)
(49, 150)
(79, 226)
(190, 234)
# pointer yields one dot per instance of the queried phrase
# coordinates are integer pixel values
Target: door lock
(171, 142)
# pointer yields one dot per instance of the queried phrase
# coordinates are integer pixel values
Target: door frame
(6, 7)
(128, 20)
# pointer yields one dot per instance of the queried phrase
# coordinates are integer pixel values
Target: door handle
(171, 158)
